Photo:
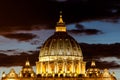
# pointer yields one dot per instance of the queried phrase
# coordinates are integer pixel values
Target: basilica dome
(60, 45)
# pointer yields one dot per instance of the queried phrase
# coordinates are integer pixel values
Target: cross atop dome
(60, 27)
(60, 19)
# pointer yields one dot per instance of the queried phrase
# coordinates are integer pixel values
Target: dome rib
(58, 45)
(50, 47)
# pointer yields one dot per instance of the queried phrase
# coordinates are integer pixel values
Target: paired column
(48, 68)
(56, 67)
(64, 68)
(41, 64)
(73, 67)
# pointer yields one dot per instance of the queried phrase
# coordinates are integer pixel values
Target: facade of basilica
(60, 58)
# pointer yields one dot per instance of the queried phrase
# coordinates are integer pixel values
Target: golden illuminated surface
(60, 27)
(60, 44)
(60, 55)
(27, 70)
(60, 58)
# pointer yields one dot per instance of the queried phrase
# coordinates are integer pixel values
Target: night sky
(30, 12)
(26, 24)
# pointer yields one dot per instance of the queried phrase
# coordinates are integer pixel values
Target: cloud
(104, 64)
(100, 53)
(18, 60)
(90, 52)
(86, 31)
(92, 31)
(100, 50)
(20, 36)
(110, 59)
(79, 26)
(10, 29)
(114, 19)
(80, 29)
(46, 11)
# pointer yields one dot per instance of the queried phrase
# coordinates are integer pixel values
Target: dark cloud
(90, 52)
(104, 64)
(81, 29)
(112, 19)
(97, 51)
(92, 31)
(18, 60)
(29, 12)
(9, 29)
(20, 36)
(100, 50)
(79, 26)
(86, 31)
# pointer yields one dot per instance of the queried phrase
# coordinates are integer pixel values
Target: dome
(60, 55)
(60, 45)
(27, 70)
(93, 71)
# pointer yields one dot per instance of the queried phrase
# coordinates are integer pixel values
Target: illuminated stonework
(60, 55)
(60, 27)
(60, 58)
(12, 75)
(27, 71)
